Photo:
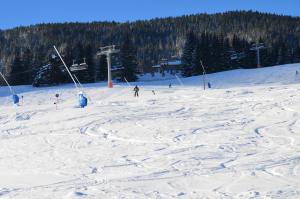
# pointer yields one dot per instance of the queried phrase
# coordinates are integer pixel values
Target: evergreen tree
(297, 54)
(27, 59)
(16, 70)
(224, 54)
(187, 56)
(282, 54)
(58, 74)
(50, 74)
(128, 60)
(196, 60)
(158, 38)
(101, 70)
(205, 51)
(90, 61)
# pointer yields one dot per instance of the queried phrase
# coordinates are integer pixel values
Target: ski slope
(240, 139)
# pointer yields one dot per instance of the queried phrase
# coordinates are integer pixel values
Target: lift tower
(257, 47)
(108, 50)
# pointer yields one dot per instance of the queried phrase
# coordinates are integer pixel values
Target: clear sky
(27, 12)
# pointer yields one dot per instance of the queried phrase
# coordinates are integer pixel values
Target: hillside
(238, 140)
(221, 34)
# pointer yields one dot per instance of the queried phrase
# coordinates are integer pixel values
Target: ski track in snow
(233, 142)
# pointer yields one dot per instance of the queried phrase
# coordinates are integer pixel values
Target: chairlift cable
(66, 68)
(10, 88)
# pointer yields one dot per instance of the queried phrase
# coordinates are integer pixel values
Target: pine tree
(50, 74)
(297, 54)
(196, 60)
(58, 73)
(224, 56)
(26, 67)
(90, 62)
(159, 38)
(128, 60)
(187, 56)
(282, 54)
(101, 69)
(16, 70)
(205, 51)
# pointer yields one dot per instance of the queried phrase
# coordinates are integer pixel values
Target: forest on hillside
(222, 41)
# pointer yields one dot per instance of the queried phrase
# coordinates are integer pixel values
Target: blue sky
(26, 12)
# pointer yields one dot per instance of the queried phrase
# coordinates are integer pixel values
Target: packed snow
(240, 139)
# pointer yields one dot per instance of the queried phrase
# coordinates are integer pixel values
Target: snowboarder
(136, 91)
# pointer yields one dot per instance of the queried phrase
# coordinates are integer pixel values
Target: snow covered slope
(238, 140)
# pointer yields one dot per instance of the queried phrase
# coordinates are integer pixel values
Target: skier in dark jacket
(136, 91)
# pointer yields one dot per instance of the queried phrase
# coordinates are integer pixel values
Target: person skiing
(136, 91)
(208, 85)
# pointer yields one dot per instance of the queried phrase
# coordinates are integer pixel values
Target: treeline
(218, 39)
(217, 52)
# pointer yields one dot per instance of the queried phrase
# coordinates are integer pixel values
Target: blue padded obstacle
(15, 98)
(82, 101)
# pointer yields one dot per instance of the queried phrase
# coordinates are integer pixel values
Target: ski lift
(82, 99)
(79, 67)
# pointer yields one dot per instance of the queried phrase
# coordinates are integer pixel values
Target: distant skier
(170, 85)
(136, 91)
(297, 73)
(208, 84)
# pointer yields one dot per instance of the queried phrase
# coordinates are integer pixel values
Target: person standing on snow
(136, 91)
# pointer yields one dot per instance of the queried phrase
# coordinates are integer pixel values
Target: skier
(170, 85)
(136, 91)
(208, 84)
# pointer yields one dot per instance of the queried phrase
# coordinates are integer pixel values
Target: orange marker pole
(110, 84)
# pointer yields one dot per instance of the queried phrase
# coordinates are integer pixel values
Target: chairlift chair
(79, 67)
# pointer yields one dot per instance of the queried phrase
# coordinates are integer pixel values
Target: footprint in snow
(78, 193)
(22, 117)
